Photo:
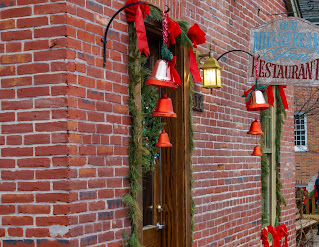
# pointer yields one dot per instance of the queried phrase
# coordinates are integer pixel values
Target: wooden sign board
(288, 51)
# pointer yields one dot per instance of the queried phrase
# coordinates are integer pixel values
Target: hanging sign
(288, 51)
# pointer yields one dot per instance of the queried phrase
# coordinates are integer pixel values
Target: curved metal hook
(117, 12)
(168, 9)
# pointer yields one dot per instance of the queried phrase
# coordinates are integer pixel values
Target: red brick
(53, 243)
(17, 105)
(34, 162)
(36, 139)
(7, 94)
(60, 209)
(7, 70)
(52, 220)
(52, 174)
(51, 150)
(13, 47)
(16, 35)
(87, 172)
(33, 92)
(33, 186)
(50, 55)
(17, 152)
(32, 22)
(17, 175)
(7, 24)
(15, 232)
(17, 128)
(7, 186)
(14, 140)
(36, 45)
(33, 115)
(37, 232)
(51, 126)
(16, 82)
(7, 209)
(33, 68)
(16, 12)
(54, 8)
(17, 220)
(7, 163)
(58, 19)
(34, 209)
(16, 58)
(52, 197)
(16, 198)
(50, 102)
(50, 32)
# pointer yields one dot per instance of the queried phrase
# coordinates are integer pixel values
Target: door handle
(159, 209)
(160, 226)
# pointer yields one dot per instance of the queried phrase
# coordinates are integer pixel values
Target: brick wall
(33, 119)
(307, 162)
(65, 126)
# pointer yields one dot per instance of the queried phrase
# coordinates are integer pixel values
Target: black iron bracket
(233, 51)
(112, 18)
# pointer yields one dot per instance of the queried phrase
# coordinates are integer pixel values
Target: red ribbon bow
(173, 31)
(173, 71)
(197, 36)
(275, 236)
(136, 13)
(246, 94)
(271, 98)
(264, 238)
(282, 232)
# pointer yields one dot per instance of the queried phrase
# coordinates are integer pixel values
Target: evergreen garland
(264, 163)
(264, 169)
(279, 122)
(192, 146)
(145, 128)
(138, 154)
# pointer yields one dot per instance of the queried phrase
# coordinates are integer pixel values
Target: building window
(300, 132)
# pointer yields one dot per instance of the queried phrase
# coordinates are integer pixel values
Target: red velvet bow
(264, 238)
(282, 232)
(196, 35)
(136, 13)
(275, 236)
(271, 99)
(246, 94)
(173, 31)
(173, 71)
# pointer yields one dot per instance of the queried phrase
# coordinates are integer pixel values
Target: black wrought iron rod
(233, 51)
(112, 18)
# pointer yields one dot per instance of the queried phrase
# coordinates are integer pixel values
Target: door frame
(178, 232)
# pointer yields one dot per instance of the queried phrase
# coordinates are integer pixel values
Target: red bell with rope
(163, 140)
(257, 151)
(164, 108)
(255, 128)
(161, 75)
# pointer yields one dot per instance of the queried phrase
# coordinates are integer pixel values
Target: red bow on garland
(197, 36)
(173, 71)
(264, 238)
(173, 31)
(282, 232)
(136, 13)
(271, 99)
(275, 236)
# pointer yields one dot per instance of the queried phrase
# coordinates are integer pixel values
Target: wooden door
(168, 187)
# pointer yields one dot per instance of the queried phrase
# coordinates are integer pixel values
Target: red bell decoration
(161, 75)
(257, 102)
(164, 108)
(255, 128)
(257, 151)
(163, 140)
